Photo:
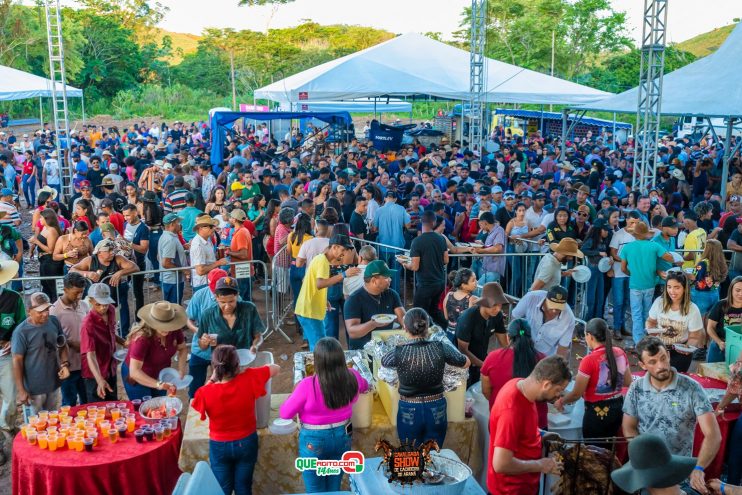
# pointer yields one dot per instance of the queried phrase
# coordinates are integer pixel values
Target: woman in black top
(419, 364)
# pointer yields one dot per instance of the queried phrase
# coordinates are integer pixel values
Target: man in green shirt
(251, 188)
(639, 261)
(188, 217)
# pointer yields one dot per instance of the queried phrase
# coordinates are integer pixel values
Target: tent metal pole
(613, 138)
(562, 153)
(541, 124)
(41, 113)
(82, 100)
(727, 156)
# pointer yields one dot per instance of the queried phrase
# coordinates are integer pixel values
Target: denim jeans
(328, 444)
(233, 463)
(29, 189)
(173, 293)
(331, 322)
(714, 353)
(704, 299)
(734, 461)
(620, 287)
(197, 367)
(389, 257)
(154, 241)
(296, 277)
(594, 295)
(136, 390)
(420, 422)
(73, 390)
(516, 273)
(245, 287)
(313, 330)
(641, 301)
(17, 285)
(8, 409)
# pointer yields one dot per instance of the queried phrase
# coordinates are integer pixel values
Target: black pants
(427, 298)
(49, 268)
(138, 286)
(91, 389)
(680, 362)
(602, 419)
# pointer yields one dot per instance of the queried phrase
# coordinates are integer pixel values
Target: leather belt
(325, 427)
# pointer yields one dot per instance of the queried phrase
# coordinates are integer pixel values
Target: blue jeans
(714, 353)
(136, 390)
(331, 322)
(734, 462)
(594, 294)
(296, 277)
(328, 444)
(73, 390)
(389, 257)
(173, 293)
(620, 288)
(245, 286)
(233, 463)
(154, 241)
(313, 330)
(641, 301)
(704, 299)
(516, 273)
(29, 189)
(197, 367)
(484, 279)
(17, 285)
(420, 422)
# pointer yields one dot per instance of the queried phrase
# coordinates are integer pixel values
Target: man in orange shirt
(241, 250)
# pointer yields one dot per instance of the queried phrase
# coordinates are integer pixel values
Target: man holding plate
(366, 308)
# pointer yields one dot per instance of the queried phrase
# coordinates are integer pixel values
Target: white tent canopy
(18, 85)
(413, 64)
(707, 87)
(362, 106)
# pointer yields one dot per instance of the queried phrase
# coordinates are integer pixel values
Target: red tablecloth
(726, 421)
(126, 467)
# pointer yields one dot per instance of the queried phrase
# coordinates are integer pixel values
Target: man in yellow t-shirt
(695, 241)
(311, 305)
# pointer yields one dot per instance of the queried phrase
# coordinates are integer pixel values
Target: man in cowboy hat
(639, 261)
(171, 254)
(241, 249)
(549, 270)
(233, 321)
(551, 319)
(203, 255)
(474, 325)
(652, 467)
(669, 404)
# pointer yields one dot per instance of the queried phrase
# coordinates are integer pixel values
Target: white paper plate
(605, 265)
(384, 319)
(246, 357)
(463, 244)
(581, 274)
(120, 355)
(676, 257)
(654, 331)
(684, 348)
(171, 375)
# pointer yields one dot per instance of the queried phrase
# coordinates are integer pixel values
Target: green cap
(170, 218)
(377, 267)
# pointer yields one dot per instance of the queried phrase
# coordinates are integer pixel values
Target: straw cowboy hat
(50, 190)
(8, 270)
(163, 316)
(651, 465)
(205, 219)
(567, 247)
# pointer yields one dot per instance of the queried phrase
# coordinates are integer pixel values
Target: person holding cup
(152, 344)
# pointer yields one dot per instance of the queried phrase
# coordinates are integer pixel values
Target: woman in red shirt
(600, 378)
(28, 179)
(228, 399)
(517, 360)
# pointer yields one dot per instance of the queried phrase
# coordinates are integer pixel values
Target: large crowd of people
(345, 229)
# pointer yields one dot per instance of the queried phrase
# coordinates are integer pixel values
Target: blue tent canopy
(221, 121)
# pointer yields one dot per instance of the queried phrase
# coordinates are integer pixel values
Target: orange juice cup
(131, 425)
(115, 414)
(105, 425)
(51, 429)
(60, 440)
(54, 414)
(43, 440)
(94, 436)
(113, 435)
(78, 443)
(52, 442)
(43, 414)
(23, 431)
(53, 421)
(66, 420)
(82, 413)
(41, 425)
(32, 437)
(65, 409)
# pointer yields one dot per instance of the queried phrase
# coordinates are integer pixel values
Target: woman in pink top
(324, 404)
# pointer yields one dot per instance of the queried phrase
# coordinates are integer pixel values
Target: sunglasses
(582, 214)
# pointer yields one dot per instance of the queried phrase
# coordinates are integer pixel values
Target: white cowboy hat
(163, 316)
(50, 190)
(8, 270)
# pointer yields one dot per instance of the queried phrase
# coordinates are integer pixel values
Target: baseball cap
(496, 189)
(669, 222)
(101, 293)
(227, 283)
(84, 184)
(390, 194)
(214, 276)
(509, 194)
(238, 214)
(539, 195)
(170, 218)
(6, 192)
(104, 245)
(341, 188)
(237, 186)
(485, 191)
(341, 240)
(39, 301)
(377, 267)
(556, 298)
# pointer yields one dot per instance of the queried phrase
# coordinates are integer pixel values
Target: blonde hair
(717, 265)
(139, 330)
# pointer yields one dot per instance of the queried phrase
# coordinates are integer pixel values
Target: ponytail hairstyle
(225, 362)
(598, 328)
(338, 384)
(460, 277)
(417, 322)
(524, 351)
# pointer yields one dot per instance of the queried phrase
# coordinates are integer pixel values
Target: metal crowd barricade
(282, 301)
(390, 253)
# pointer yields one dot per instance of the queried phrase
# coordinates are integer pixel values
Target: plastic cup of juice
(115, 414)
(52, 442)
(43, 440)
(88, 444)
(52, 429)
(105, 425)
(54, 421)
(124, 411)
(32, 437)
(113, 435)
(60, 440)
(94, 436)
(41, 425)
(136, 403)
(159, 433)
(122, 430)
(167, 430)
(79, 443)
(121, 405)
(65, 409)
(149, 433)
(82, 413)
(54, 414)
(131, 424)
(139, 436)
(44, 414)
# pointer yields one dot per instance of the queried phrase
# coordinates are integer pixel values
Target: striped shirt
(176, 201)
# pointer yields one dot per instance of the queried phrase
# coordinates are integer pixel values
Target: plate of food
(463, 244)
(685, 348)
(654, 331)
(384, 319)
(403, 258)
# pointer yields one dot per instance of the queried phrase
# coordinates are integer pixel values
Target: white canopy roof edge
(413, 64)
(707, 87)
(18, 85)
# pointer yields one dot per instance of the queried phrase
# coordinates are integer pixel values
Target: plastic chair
(203, 481)
(182, 483)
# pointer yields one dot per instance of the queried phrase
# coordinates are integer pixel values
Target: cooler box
(263, 404)
(455, 399)
(733, 341)
(362, 410)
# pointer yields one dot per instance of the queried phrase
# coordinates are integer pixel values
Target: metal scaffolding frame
(59, 98)
(477, 74)
(649, 99)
